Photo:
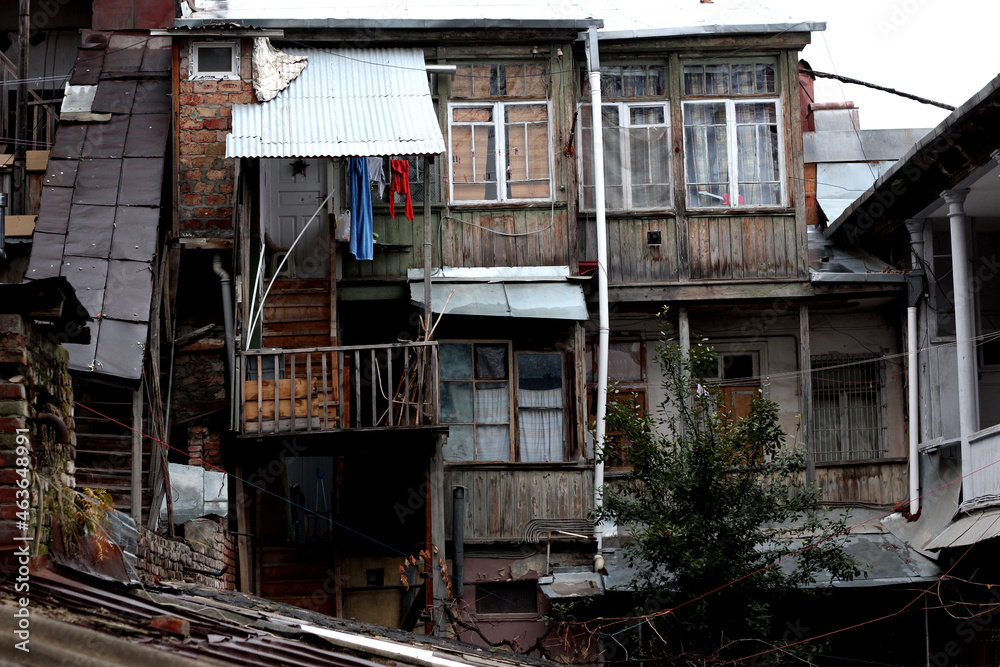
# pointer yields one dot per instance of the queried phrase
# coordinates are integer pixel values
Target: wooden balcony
(982, 487)
(323, 389)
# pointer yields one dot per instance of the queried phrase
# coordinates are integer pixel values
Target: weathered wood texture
(719, 248)
(500, 500)
(882, 482)
(297, 313)
(471, 238)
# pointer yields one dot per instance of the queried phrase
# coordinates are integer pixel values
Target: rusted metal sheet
(881, 483)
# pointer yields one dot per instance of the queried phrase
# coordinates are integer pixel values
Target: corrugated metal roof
(347, 102)
(969, 529)
(545, 300)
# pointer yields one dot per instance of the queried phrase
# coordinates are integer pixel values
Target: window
(416, 180)
(507, 597)
(732, 147)
(848, 421)
(500, 149)
(215, 60)
(478, 404)
(737, 376)
(626, 369)
(636, 156)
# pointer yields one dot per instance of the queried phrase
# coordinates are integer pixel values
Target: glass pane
(472, 114)
(520, 113)
(765, 78)
(461, 444)
(491, 362)
(647, 115)
(716, 79)
(737, 366)
(657, 81)
(538, 373)
(456, 402)
(493, 443)
(743, 79)
(456, 361)
(706, 154)
(215, 59)
(492, 403)
(625, 361)
(541, 435)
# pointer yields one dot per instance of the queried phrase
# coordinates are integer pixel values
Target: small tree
(710, 502)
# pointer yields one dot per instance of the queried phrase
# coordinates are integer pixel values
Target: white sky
(944, 50)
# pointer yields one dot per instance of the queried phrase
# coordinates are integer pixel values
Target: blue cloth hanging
(362, 246)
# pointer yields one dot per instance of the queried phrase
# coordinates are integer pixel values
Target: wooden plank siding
(501, 499)
(883, 482)
(752, 248)
(537, 236)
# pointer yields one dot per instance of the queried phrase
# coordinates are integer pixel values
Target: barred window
(848, 408)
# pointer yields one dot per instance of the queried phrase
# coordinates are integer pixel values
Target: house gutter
(604, 328)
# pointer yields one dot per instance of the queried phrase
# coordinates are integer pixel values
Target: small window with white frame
(215, 60)
(733, 144)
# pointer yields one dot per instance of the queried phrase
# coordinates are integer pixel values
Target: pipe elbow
(56, 422)
(219, 271)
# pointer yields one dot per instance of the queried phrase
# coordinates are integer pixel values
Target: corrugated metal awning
(966, 530)
(347, 102)
(499, 293)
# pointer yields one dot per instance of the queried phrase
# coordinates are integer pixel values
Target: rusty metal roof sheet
(98, 624)
(346, 102)
(100, 205)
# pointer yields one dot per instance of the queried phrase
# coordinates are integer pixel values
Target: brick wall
(204, 446)
(205, 175)
(33, 379)
(206, 555)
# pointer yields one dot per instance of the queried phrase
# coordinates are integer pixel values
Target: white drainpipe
(912, 375)
(965, 349)
(604, 330)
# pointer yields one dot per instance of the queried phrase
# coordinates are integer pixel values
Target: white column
(968, 416)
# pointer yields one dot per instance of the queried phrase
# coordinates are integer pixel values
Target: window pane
(456, 361)
(527, 151)
(456, 402)
(706, 154)
(540, 372)
(473, 154)
(757, 148)
(472, 114)
(215, 59)
(541, 435)
(646, 115)
(493, 443)
(625, 361)
(765, 78)
(743, 79)
(491, 362)
(737, 366)
(460, 445)
(492, 403)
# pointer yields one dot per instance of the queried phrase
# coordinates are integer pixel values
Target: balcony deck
(326, 389)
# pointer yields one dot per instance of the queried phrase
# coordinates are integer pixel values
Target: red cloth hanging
(400, 183)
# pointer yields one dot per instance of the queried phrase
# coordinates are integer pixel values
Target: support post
(805, 391)
(136, 502)
(458, 542)
(21, 136)
(435, 503)
(968, 399)
(428, 246)
(243, 526)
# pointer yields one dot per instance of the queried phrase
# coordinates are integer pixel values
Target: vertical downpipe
(912, 408)
(604, 330)
(227, 318)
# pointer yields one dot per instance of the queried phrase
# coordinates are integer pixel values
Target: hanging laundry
(362, 246)
(376, 172)
(401, 184)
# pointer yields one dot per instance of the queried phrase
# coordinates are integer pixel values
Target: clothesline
(362, 172)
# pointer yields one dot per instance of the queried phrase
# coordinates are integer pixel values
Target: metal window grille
(848, 408)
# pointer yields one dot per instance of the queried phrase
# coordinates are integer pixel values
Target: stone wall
(206, 555)
(205, 175)
(34, 381)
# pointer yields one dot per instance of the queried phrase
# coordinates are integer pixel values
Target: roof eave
(714, 30)
(393, 24)
(949, 131)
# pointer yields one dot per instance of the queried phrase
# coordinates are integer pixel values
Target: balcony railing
(982, 486)
(308, 390)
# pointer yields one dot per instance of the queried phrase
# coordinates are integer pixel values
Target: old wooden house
(371, 250)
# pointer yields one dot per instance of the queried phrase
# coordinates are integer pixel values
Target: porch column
(968, 400)
(805, 390)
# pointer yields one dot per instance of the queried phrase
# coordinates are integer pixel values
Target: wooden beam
(730, 291)
(243, 539)
(137, 455)
(435, 501)
(805, 390)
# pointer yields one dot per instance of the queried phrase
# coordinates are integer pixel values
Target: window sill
(520, 203)
(862, 462)
(741, 210)
(521, 465)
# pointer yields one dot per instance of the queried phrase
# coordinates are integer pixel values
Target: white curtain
(493, 407)
(540, 419)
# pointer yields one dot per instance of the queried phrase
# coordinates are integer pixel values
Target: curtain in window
(541, 435)
(492, 407)
(540, 407)
(757, 153)
(706, 154)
